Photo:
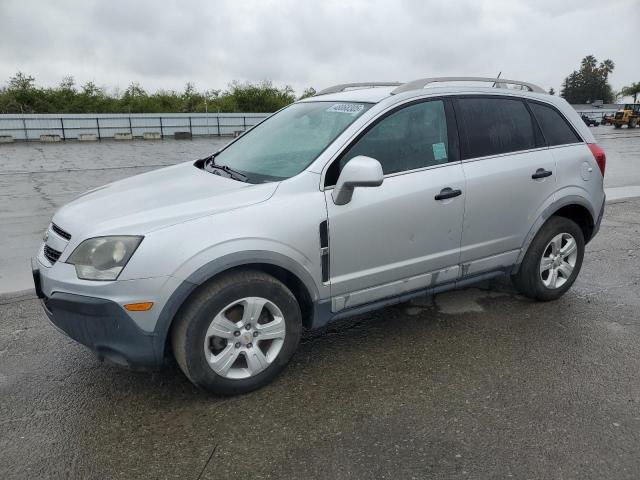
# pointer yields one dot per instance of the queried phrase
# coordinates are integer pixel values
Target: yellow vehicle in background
(628, 115)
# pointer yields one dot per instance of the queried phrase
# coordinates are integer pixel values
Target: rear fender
(548, 212)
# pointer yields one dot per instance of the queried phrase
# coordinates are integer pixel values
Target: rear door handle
(541, 173)
(448, 192)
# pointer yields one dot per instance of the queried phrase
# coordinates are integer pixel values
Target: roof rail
(423, 82)
(343, 86)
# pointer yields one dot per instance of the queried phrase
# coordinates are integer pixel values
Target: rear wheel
(237, 333)
(633, 122)
(552, 261)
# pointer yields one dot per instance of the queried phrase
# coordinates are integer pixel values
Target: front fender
(221, 264)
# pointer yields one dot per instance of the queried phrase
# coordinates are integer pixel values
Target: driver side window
(410, 138)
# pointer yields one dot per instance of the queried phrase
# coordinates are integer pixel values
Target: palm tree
(631, 91)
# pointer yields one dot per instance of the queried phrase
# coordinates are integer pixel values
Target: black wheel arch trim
(549, 212)
(220, 265)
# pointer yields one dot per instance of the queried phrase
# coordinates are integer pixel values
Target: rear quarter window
(494, 126)
(555, 128)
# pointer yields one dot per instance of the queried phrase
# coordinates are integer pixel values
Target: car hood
(156, 199)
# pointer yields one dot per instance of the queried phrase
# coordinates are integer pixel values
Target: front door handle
(541, 173)
(448, 192)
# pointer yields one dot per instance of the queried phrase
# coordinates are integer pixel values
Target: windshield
(286, 143)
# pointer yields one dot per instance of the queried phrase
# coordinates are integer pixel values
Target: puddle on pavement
(454, 302)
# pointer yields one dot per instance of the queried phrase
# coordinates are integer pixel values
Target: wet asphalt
(480, 383)
(36, 179)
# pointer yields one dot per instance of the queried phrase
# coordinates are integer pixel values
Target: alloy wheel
(558, 260)
(244, 338)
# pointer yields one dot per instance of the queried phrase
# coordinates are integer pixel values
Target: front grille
(51, 254)
(60, 232)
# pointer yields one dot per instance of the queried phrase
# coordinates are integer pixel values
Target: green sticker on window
(439, 151)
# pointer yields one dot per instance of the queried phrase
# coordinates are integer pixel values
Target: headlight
(103, 258)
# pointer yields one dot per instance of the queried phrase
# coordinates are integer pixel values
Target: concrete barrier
(237, 133)
(122, 136)
(151, 136)
(50, 138)
(6, 138)
(182, 135)
(87, 137)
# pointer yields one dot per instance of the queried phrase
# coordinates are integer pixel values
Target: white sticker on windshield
(352, 108)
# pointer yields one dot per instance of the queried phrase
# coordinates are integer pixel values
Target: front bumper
(100, 324)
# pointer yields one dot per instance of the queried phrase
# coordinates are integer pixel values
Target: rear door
(510, 174)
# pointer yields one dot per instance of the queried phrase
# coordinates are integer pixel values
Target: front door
(405, 234)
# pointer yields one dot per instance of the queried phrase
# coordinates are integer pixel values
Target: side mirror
(360, 171)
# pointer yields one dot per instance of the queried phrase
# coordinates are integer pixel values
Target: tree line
(590, 82)
(23, 95)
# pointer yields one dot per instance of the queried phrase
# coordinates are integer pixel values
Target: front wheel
(237, 332)
(552, 261)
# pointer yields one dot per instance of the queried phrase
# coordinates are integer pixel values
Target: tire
(617, 125)
(227, 299)
(633, 123)
(535, 283)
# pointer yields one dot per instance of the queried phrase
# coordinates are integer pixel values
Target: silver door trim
(491, 263)
(499, 155)
(395, 288)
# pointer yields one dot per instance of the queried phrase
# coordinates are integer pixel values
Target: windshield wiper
(223, 170)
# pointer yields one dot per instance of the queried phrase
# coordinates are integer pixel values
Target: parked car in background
(588, 121)
(362, 196)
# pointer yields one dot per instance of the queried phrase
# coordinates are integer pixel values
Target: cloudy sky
(164, 44)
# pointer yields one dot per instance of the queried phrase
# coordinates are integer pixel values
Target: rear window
(493, 126)
(554, 127)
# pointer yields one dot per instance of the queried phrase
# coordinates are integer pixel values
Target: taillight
(598, 154)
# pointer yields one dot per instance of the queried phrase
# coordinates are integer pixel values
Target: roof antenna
(494, 83)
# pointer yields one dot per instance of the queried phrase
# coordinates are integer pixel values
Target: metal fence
(103, 126)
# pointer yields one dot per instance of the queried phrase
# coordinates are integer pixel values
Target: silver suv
(362, 196)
